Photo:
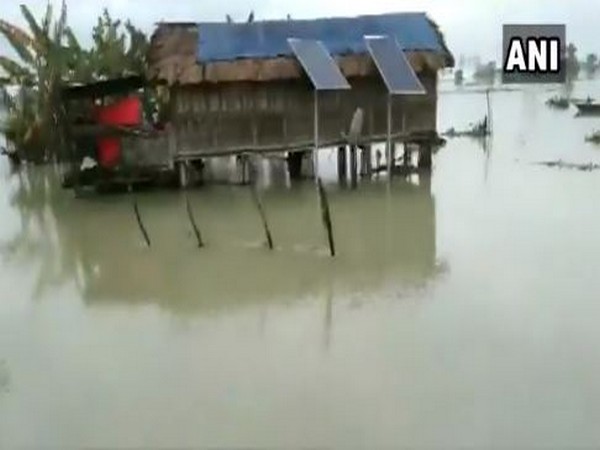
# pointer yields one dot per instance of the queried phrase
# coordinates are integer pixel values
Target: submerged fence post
(140, 223)
(326, 216)
(190, 213)
(261, 209)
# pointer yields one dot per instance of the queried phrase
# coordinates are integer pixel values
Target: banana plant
(38, 73)
(48, 55)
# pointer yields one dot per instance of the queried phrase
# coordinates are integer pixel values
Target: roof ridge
(305, 19)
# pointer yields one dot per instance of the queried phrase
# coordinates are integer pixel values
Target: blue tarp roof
(229, 41)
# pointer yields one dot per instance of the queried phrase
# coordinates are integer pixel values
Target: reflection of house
(237, 87)
(381, 239)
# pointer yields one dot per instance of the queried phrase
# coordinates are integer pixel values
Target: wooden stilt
(425, 156)
(183, 175)
(309, 164)
(366, 166)
(243, 166)
(294, 161)
(342, 164)
(407, 159)
(353, 166)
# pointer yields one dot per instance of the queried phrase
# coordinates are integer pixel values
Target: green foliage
(50, 55)
(119, 48)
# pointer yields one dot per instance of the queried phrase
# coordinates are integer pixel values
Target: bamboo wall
(152, 152)
(231, 117)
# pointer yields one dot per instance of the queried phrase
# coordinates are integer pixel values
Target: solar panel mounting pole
(324, 75)
(389, 136)
(316, 137)
(398, 76)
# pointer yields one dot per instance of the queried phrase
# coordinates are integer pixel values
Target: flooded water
(462, 309)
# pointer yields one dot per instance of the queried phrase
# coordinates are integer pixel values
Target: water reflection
(4, 376)
(385, 238)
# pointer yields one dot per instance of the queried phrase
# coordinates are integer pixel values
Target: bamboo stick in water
(190, 213)
(326, 216)
(140, 223)
(263, 216)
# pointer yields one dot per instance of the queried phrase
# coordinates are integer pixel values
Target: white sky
(470, 26)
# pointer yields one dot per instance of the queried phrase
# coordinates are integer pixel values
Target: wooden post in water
(353, 166)
(342, 166)
(326, 216)
(140, 223)
(193, 222)
(261, 212)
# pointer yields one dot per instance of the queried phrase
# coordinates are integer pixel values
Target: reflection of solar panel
(318, 64)
(398, 75)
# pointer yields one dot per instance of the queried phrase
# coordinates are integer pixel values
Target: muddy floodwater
(463, 309)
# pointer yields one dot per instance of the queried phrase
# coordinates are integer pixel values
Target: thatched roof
(174, 57)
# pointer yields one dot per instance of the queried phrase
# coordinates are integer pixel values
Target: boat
(588, 107)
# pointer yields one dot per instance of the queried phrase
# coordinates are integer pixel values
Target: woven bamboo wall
(230, 117)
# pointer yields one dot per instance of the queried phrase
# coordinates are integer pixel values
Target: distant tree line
(487, 73)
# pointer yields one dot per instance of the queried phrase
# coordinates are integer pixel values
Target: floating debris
(479, 130)
(593, 138)
(558, 102)
(585, 167)
(588, 107)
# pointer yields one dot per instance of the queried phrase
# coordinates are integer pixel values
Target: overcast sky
(470, 26)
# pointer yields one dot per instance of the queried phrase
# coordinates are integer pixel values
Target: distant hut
(237, 88)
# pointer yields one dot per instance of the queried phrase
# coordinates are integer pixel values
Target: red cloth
(109, 152)
(125, 112)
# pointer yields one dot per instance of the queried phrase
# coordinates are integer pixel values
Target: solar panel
(398, 75)
(318, 64)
